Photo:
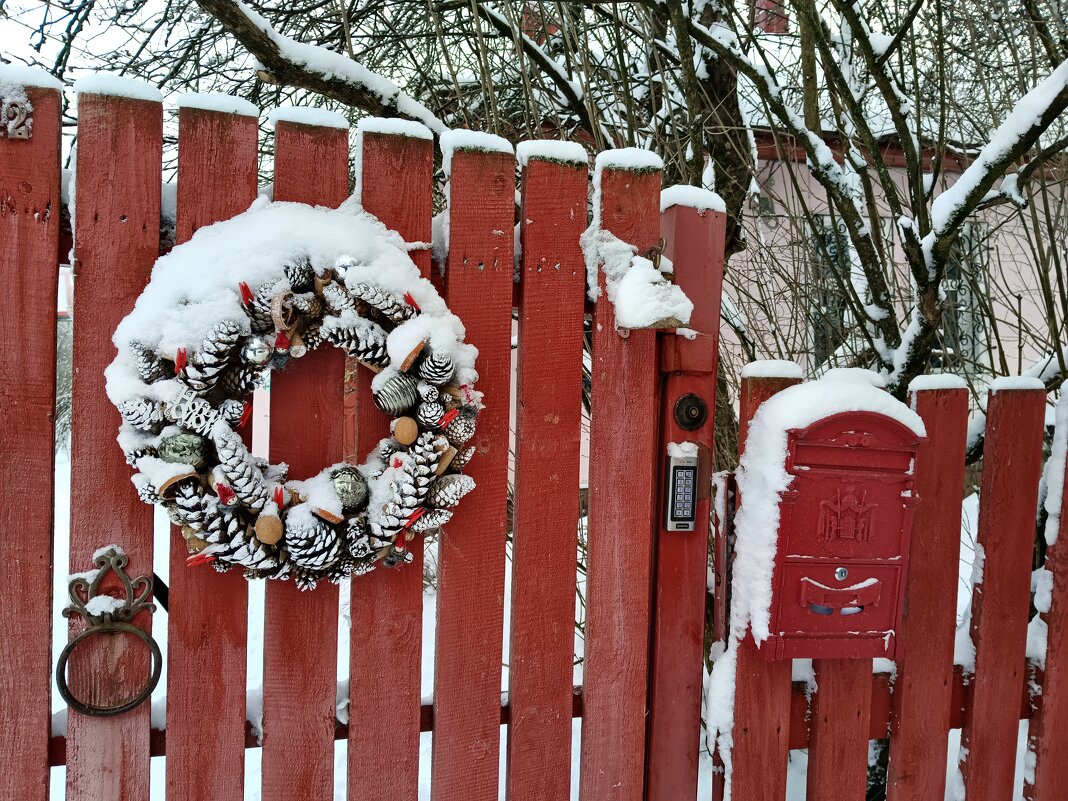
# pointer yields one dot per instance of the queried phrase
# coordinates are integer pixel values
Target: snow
(462, 139)
(550, 150)
(762, 478)
(15, 77)
(682, 450)
(772, 368)
(104, 605)
(394, 126)
(103, 83)
(1024, 116)
(693, 197)
(306, 115)
(628, 158)
(217, 101)
(922, 383)
(1015, 382)
(1054, 472)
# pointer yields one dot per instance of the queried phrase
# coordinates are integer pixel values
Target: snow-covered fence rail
(116, 206)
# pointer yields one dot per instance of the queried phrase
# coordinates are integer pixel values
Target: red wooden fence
(640, 702)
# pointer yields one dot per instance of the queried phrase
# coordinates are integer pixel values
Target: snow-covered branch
(287, 61)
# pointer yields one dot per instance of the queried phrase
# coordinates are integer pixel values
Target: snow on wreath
(242, 298)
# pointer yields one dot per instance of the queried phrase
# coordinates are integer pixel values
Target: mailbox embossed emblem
(844, 531)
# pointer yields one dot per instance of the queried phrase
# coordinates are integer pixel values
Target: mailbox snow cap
(769, 475)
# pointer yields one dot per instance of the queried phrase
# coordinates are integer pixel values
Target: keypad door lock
(681, 496)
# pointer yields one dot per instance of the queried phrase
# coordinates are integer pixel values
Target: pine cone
(240, 380)
(216, 352)
(149, 366)
(308, 304)
(240, 470)
(223, 525)
(462, 459)
(437, 368)
(137, 452)
(447, 491)
(363, 340)
(338, 299)
(433, 518)
(259, 309)
(143, 414)
(312, 544)
(389, 305)
(429, 414)
(358, 538)
(301, 276)
(146, 492)
(460, 429)
(428, 392)
(189, 503)
(232, 411)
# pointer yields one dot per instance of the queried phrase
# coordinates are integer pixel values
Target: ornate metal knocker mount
(109, 615)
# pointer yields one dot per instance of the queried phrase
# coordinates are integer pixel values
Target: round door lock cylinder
(691, 412)
(841, 573)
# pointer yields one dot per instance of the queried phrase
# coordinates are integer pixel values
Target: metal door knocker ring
(108, 615)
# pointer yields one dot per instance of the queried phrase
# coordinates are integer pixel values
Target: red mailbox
(839, 578)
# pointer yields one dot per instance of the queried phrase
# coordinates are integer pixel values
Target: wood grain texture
(623, 443)
(1000, 604)
(548, 434)
(470, 628)
(206, 668)
(386, 606)
(1050, 721)
(838, 741)
(695, 247)
(762, 705)
(300, 628)
(117, 240)
(29, 229)
(923, 690)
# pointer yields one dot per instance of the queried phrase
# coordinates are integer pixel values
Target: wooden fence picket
(1049, 722)
(548, 434)
(386, 606)
(206, 667)
(29, 228)
(840, 721)
(695, 247)
(623, 443)
(924, 684)
(311, 165)
(762, 698)
(1012, 459)
(116, 243)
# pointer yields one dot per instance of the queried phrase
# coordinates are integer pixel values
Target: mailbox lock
(841, 573)
(690, 412)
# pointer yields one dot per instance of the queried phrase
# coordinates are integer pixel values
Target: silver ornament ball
(183, 448)
(257, 351)
(351, 488)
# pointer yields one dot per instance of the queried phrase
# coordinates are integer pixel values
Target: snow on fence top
(306, 115)
(461, 139)
(394, 126)
(217, 101)
(693, 197)
(1055, 471)
(14, 78)
(104, 83)
(550, 150)
(772, 368)
(762, 477)
(1015, 382)
(628, 158)
(938, 381)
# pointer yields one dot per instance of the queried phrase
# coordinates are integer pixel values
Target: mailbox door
(814, 600)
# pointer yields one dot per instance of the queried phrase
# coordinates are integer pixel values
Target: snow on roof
(19, 76)
(693, 197)
(217, 101)
(103, 83)
(922, 383)
(306, 115)
(394, 126)
(462, 139)
(550, 150)
(772, 368)
(762, 477)
(628, 158)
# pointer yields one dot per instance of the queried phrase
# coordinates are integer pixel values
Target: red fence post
(206, 667)
(29, 229)
(838, 738)
(548, 433)
(117, 204)
(1012, 460)
(386, 606)
(761, 734)
(695, 247)
(311, 165)
(924, 685)
(467, 659)
(1050, 721)
(623, 442)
